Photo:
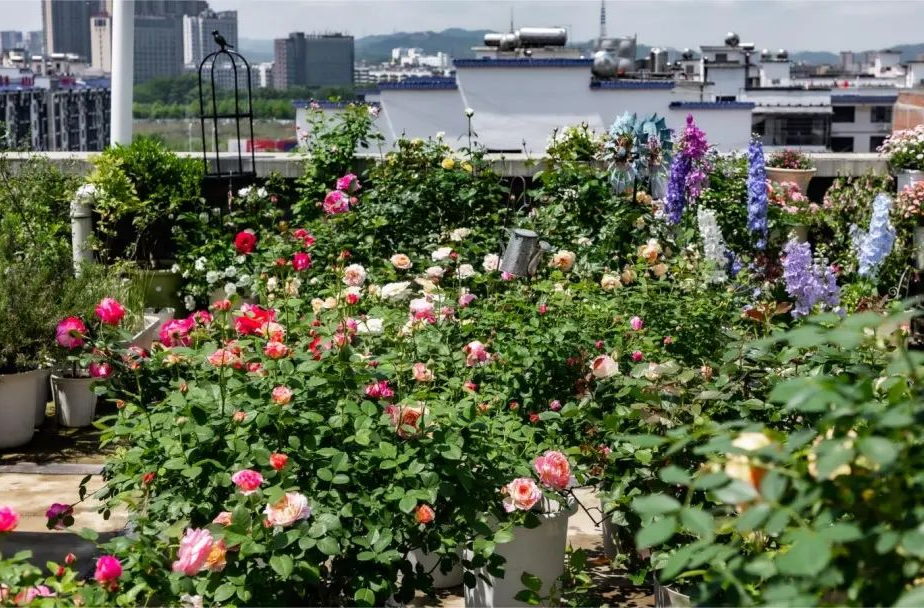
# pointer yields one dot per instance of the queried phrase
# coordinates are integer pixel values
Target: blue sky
(793, 24)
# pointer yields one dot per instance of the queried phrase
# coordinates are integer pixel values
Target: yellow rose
(467, 167)
(448, 163)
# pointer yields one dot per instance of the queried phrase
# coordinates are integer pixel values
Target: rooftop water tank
(543, 36)
(492, 39)
(657, 61)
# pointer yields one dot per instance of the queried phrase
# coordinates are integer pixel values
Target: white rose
(212, 276)
(465, 271)
(230, 289)
(200, 264)
(441, 254)
(189, 302)
(271, 284)
(354, 275)
(370, 326)
(459, 234)
(395, 291)
(230, 271)
(244, 191)
(491, 262)
(435, 273)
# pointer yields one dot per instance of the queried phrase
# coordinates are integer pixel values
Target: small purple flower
(757, 193)
(808, 282)
(59, 516)
(686, 174)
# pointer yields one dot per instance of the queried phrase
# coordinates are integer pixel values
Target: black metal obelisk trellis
(225, 173)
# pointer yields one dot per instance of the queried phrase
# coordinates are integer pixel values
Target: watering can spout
(523, 252)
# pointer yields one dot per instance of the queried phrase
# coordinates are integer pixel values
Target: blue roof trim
(331, 105)
(523, 62)
(632, 84)
(712, 105)
(863, 98)
(439, 84)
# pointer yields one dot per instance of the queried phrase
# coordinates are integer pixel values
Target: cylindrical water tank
(543, 36)
(605, 65)
(509, 42)
(492, 39)
(657, 61)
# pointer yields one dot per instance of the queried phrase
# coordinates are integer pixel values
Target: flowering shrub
(789, 159)
(911, 201)
(905, 149)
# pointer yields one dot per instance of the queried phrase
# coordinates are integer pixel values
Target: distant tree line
(178, 97)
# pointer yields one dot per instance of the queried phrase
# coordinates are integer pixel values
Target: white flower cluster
(713, 244)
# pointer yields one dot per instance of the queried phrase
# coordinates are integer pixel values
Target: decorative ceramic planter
(906, 177)
(75, 401)
(799, 232)
(162, 286)
(152, 323)
(430, 563)
(18, 394)
(666, 597)
(800, 177)
(539, 551)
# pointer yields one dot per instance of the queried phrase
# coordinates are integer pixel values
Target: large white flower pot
(800, 177)
(75, 402)
(18, 393)
(152, 323)
(539, 551)
(430, 563)
(666, 597)
(906, 177)
(42, 394)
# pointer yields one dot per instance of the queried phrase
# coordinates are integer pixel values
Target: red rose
(424, 514)
(278, 461)
(245, 241)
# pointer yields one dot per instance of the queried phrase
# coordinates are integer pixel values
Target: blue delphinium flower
(808, 282)
(677, 188)
(757, 193)
(686, 174)
(876, 243)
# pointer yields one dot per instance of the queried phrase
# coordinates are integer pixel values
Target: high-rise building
(101, 42)
(315, 60)
(197, 34)
(158, 47)
(11, 40)
(35, 42)
(66, 24)
(177, 8)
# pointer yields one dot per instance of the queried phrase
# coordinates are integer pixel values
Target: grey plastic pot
(75, 401)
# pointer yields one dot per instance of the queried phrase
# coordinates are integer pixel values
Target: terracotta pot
(906, 177)
(800, 177)
(539, 551)
(18, 394)
(75, 401)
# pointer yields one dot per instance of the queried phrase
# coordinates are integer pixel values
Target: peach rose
(401, 261)
(354, 275)
(422, 373)
(521, 493)
(195, 547)
(554, 470)
(563, 260)
(290, 509)
(424, 514)
(223, 518)
(604, 366)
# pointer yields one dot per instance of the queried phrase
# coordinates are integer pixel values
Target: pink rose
(100, 369)
(224, 357)
(223, 518)
(59, 516)
(422, 373)
(71, 333)
(637, 356)
(176, 332)
(248, 481)
(422, 310)
(521, 493)
(282, 395)
(110, 311)
(275, 350)
(301, 261)
(476, 354)
(406, 419)
(554, 405)
(221, 305)
(278, 461)
(194, 550)
(354, 275)
(553, 470)
(245, 241)
(466, 298)
(336, 202)
(348, 183)
(291, 508)
(8, 519)
(603, 366)
(202, 317)
(27, 595)
(636, 323)
(108, 571)
(379, 390)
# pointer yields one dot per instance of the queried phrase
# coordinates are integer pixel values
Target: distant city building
(53, 113)
(175, 8)
(197, 34)
(264, 75)
(35, 42)
(158, 47)
(66, 24)
(315, 60)
(101, 43)
(415, 57)
(11, 40)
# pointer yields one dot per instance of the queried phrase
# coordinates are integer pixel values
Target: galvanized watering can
(523, 253)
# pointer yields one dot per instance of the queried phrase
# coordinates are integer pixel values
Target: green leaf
(879, 450)
(452, 452)
(675, 475)
(841, 532)
(831, 459)
(656, 533)
(224, 592)
(913, 543)
(656, 504)
(913, 598)
(329, 546)
(531, 582)
(282, 565)
(772, 486)
(807, 556)
(753, 517)
(407, 503)
(364, 597)
(697, 521)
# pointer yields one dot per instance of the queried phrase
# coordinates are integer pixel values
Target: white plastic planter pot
(430, 563)
(906, 177)
(152, 323)
(539, 551)
(75, 402)
(18, 393)
(42, 394)
(666, 597)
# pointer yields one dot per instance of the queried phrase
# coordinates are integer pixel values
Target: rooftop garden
(386, 375)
